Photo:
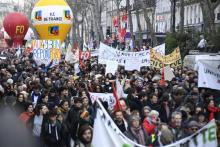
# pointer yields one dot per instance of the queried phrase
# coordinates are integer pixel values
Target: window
(218, 16)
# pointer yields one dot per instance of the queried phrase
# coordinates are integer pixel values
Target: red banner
(85, 55)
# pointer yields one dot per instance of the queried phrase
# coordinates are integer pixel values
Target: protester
(151, 121)
(145, 104)
(120, 121)
(27, 114)
(36, 121)
(73, 119)
(135, 131)
(20, 104)
(51, 132)
(177, 126)
(85, 136)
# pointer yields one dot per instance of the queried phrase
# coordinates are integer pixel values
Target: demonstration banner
(46, 50)
(172, 60)
(105, 97)
(208, 76)
(160, 49)
(111, 136)
(107, 53)
(111, 67)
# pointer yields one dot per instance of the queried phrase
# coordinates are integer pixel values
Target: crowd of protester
(54, 105)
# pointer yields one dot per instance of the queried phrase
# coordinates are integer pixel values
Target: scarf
(139, 134)
(212, 111)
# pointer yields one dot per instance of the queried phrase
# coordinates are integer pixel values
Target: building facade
(193, 18)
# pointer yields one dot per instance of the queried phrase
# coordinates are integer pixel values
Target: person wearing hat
(73, 119)
(193, 127)
(51, 132)
(136, 132)
(85, 134)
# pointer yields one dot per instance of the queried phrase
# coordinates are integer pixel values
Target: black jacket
(72, 122)
(52, 134)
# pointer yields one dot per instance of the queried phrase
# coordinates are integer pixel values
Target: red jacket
(212, 111)
(149, 127)
(25, 116)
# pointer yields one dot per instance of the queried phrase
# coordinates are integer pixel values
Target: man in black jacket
(73, 118)
(52, 132)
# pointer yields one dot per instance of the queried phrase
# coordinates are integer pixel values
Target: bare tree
(182, 16)
(130, 19)
(96, 14)
(75, 25)
(137, 13)
(208, 15)
(147, 7)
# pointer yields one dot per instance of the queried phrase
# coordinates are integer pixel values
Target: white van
(191, 61)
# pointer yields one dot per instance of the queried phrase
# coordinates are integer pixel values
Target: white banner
(208, 76)
(105, 97)
(107, 53)
(160, 49)
(111, 67)
(168, 73)
(132, 65)
(111, 136)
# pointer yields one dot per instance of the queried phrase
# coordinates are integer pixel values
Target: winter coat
(25, 116)
(134, 103)
(72, 122)
(51, 134)
(163, 114)
(132, 136)
(149, 127)
(155, 106)
(212, 112)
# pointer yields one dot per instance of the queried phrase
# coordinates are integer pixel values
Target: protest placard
(46, 50)
(208, 76)
(107, 53)
(172, 60)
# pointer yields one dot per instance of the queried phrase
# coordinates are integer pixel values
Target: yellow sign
(173, 59)
(52, 19)
(55, 54)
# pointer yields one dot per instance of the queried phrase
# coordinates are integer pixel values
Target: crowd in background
(53, 102)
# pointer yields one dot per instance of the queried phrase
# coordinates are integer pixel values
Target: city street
(109, 73)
